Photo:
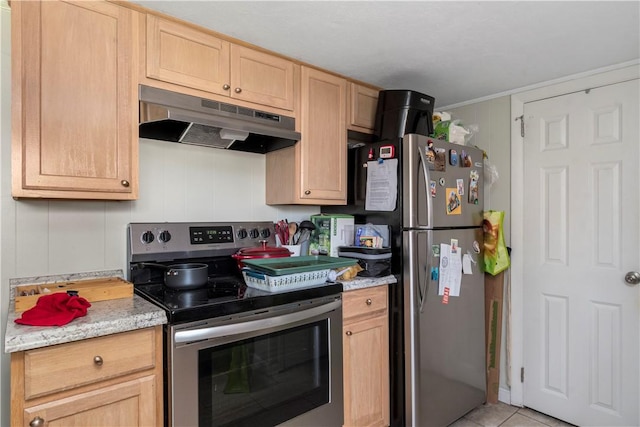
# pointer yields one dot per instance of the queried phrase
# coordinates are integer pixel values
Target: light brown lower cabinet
(366, 357)
(115, 380)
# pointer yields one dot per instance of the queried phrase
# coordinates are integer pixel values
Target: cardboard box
(493, 300)
(332, 231)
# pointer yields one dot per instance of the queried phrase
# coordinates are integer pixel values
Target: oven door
(281, 366)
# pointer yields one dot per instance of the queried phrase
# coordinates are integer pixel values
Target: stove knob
(242, 233)
(147, 237)
(164, 236)
(254, 233)
(265, 233)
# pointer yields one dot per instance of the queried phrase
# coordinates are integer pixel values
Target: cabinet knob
(238, 90)
(97, 360)
(369, 302)
(226, 86)
(349, 333)
(307, 192)
(36, 422)
(124, 183)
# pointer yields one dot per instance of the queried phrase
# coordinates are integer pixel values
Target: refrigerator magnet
(441, 161)
(454, 246)
(435, 250)
(453, 157)
(466, 159)
(460, 185)
(431, 158)
(445, 297)
(441, 182)
(432, 188)
(453, 202)
(473, 187)
(476, 247)
(434, 274)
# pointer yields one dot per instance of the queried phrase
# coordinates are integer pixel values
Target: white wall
(177, 183)
(494, 137)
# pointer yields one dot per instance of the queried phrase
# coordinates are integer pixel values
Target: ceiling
(453, 50)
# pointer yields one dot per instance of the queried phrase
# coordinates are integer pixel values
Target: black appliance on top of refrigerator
(430, 193)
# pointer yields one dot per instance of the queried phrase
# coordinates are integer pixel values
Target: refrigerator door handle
(423, 285)
(429, 199)
(422, 291)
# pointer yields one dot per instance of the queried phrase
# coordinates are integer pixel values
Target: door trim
(516, 318)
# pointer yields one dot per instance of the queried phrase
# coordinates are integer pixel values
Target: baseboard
(504, 395)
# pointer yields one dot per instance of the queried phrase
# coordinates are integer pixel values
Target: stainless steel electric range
(234, 355)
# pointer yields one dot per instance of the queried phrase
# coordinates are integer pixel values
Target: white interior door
(581, 236)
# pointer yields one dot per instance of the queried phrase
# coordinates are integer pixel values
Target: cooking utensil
(182, 276)
(306, 224)
(293, 229)
(282, 231)
(262, 251)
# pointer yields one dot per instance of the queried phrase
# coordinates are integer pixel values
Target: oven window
(266, 380)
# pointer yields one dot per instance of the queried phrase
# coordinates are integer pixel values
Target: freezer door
(444, 343)
(442, 183)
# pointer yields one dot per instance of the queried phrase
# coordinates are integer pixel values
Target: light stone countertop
(103, 318)
(109, 317)
(367, 282)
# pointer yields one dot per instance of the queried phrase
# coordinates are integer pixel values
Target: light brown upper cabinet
(187, 57)
(362, 103)
(314, 171)
(74, 100)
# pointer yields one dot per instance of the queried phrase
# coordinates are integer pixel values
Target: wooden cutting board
(92, 290)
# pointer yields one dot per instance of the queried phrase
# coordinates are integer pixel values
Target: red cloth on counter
(55, 310)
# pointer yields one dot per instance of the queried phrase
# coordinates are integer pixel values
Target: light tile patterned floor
(503, 415)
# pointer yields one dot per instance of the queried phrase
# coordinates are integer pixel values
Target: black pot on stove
(182, 276)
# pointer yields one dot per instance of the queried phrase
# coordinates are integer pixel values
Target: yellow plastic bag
(496, 256)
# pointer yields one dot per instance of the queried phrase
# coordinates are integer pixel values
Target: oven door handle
(253, 325)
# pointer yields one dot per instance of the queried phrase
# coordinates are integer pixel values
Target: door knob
(632, 278)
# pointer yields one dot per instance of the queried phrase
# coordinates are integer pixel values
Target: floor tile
(464, 422)
(519, 420)
(491, 414)
(545, 419)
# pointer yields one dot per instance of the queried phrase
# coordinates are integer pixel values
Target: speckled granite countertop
(103, 318)
(367, 282)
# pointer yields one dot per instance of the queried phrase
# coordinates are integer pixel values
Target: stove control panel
(213, 234)
(159, 240)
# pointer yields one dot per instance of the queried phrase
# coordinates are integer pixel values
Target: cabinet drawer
(71, 365)
(364, 301)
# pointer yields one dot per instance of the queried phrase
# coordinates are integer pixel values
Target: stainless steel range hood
(176, 117)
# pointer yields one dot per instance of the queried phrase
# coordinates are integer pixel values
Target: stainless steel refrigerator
(437, 354)
(437, 350)
(444, 335)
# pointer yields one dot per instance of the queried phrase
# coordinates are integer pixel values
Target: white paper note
(466, 264)
(450, 274)
(382, 185)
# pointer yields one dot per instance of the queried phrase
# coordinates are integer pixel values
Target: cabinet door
(366, 372)
(75, 109)
(323, 155)
(363, 102)
(185, 56)
(130, 403)
(262, 78)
